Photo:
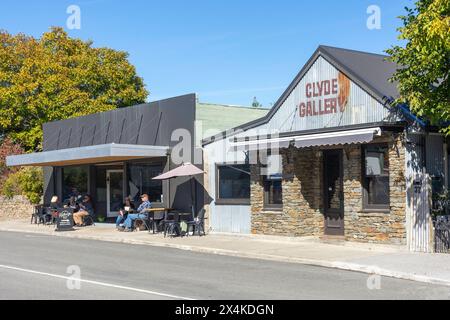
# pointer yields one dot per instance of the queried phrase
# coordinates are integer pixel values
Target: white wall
(224, 218)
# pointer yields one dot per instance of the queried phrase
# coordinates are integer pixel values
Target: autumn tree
(7, 148)
(57, 77)
(425, 60)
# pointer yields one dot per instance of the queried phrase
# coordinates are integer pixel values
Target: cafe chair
(88, 221)
(39, 215)
(172, 227)
(198, 224)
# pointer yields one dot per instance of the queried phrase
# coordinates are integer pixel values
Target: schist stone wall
(302, 213)
(16, 208)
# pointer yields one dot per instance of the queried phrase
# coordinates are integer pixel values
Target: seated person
(86, 209)
(141, 214)
(54, 203)
(128, 207)
(72, 203)
(52, 210)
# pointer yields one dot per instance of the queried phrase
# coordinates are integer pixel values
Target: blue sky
(227, 51)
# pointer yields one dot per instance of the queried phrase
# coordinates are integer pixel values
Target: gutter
(404, 108)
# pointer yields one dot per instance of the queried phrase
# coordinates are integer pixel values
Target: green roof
(217, 118)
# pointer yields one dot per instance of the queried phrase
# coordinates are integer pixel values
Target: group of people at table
(80, 209)
(127, 216)
(125, 221)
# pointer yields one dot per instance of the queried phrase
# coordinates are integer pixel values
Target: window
(376, 177)
(140, 177)
(273, 192)
(233, 184)
(75, 182)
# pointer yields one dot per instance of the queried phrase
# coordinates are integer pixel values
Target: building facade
(116, 154)
(334, 157)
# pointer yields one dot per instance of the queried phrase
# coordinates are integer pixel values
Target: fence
(421, 226)
(442, 235)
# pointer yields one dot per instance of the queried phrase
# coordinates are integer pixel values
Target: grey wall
(147, 124)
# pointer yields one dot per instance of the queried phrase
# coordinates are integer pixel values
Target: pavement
(40, 266)
(383, 260)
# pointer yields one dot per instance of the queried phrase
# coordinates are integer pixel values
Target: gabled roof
(368, 70)
(372, 69)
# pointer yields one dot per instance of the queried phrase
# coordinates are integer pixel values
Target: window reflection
(140, 181)
(75, 182)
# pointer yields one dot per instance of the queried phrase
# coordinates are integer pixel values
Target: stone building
(333, 158)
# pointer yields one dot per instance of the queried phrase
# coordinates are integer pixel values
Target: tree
(256, 103)
(424, 78)
(57, 77)
(28, 181)
(7, 148)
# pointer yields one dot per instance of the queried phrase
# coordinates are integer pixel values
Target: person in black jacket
(86, 209)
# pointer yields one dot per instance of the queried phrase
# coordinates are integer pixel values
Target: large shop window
(75, 182)
(273, 192)
(376, 177)
(233, 184)
(140, 177)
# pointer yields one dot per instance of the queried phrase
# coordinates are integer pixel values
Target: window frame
(383, 208)
(267, 206)
(235, 201)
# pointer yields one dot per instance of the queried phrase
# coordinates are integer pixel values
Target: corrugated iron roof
(370, 71)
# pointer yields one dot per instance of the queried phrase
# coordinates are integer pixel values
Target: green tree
(256, 103)
(57, 77)
(424, 79)
(28, 181)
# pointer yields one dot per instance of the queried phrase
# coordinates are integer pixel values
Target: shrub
(7, 148)
(28, 182)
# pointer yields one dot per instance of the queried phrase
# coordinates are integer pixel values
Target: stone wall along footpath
(16, 208)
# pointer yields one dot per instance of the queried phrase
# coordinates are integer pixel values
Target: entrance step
(333, 239)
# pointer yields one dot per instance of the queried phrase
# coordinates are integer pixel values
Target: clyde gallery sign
(325, 97)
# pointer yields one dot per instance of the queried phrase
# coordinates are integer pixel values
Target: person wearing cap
(141, 214)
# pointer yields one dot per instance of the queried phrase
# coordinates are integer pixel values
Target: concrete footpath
(390, 261)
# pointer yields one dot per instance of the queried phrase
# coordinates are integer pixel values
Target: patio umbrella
(185, 170)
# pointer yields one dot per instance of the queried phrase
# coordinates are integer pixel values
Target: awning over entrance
(87, 155)
(311, 140)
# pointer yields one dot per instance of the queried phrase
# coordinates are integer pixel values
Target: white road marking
(104, 284)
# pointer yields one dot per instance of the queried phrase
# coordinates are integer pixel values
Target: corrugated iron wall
(361, 108)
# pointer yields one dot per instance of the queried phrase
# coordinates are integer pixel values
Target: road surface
(45, 267)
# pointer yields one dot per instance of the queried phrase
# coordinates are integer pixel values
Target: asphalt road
(42, 267)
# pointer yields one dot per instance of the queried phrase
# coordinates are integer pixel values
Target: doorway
(114, 192)
(333, 192)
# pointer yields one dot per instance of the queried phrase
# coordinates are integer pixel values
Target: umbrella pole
(168, 182)
(192, 197)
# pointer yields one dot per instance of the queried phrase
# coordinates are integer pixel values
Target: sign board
(325, 97)
(64, 222)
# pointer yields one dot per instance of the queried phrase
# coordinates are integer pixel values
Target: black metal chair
(39, 215)
(88, 221)
(172, 226)
(143, 221)
(197, 224)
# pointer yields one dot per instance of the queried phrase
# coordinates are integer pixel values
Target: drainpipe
(446, 177)
(405, 110)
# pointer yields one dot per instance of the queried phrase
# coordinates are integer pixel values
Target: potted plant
(101, 218)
